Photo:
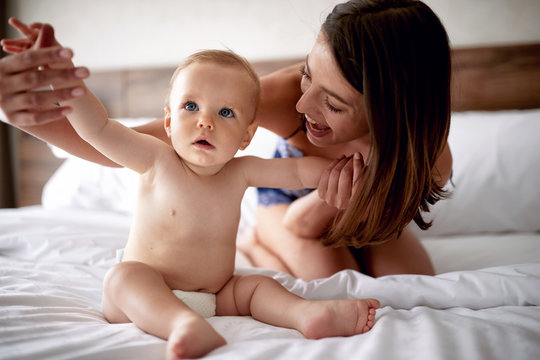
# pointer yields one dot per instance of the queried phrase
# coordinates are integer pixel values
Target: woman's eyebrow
(326, 90)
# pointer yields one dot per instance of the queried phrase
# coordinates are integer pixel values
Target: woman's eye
(304, 73)
(330, 107)
(191, 106)
(226, 112)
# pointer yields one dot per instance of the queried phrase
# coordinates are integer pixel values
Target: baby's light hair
(220, 57)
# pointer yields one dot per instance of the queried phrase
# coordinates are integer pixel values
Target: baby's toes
(366, 329)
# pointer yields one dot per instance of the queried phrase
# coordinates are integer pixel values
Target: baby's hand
(340, 180)
(36, 36)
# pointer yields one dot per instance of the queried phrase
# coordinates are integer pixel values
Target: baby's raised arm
(114, 140)
(119, 143)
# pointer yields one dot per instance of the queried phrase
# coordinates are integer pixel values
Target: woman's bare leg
(306, 258)
(258, 254)
(267, 301)
(133, 291)
(404, 255)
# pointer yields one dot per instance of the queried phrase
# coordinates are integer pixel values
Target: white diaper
(202, 303)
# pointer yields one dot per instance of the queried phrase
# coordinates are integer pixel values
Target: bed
(484, 302)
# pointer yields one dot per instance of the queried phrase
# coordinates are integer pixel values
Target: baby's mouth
(202, 143)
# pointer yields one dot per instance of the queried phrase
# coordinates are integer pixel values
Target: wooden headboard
(487, 78)
(490, 78)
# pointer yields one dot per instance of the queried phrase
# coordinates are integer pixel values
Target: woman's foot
(329, 318)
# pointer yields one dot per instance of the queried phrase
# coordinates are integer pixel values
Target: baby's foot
(339, 317)
(192, 337)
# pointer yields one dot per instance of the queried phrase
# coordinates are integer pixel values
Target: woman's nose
(305, 103)
(205, 122)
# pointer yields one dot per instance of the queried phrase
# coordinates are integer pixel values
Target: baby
(178, 264)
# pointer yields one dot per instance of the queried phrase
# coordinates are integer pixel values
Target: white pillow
(496, 173)
(82, 184)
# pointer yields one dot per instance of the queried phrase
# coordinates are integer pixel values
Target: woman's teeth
(316, 126)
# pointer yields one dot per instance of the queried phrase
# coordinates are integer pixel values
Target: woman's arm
(61, 133)
(279, 95)
(309, 216)
(304, 257)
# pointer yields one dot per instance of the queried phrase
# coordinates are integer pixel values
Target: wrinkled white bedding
(52, 263)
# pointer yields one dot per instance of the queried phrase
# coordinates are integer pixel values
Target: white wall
(109, 34)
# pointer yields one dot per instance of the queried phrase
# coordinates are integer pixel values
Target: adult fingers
(358, 166)
(33, 58)
(322, 188)
(37, 100)
(32, 80)
(39, 117)
(345, 184)
(333, 182)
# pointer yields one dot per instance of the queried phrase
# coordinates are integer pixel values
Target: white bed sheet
(483, 304)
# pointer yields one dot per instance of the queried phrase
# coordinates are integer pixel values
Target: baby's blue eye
(226, 112)
(191, 106)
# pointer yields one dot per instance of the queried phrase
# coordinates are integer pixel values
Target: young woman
(377, 82)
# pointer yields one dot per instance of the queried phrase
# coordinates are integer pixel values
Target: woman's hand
(340, 180)
(24, 74)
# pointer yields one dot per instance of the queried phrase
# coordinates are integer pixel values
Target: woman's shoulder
(280, 93)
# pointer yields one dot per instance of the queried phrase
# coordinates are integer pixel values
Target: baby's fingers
(15, 46)
(22, 28)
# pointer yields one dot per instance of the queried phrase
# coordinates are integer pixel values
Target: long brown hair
(396, 53)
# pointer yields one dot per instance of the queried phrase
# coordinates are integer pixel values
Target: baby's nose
(205, 122)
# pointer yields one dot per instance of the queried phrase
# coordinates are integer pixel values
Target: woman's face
(333, 108)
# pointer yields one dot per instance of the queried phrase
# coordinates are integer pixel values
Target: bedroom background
(127, 34)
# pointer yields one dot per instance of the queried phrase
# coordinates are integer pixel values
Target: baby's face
(211, 109)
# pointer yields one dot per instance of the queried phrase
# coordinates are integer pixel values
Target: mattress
(483, 303)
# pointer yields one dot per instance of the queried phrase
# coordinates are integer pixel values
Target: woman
(376, 82)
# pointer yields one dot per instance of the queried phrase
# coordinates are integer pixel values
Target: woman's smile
(315, 128)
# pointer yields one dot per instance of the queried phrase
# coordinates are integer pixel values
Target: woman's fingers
(41, 116)
(340, 180)
(34, 58)
(330, 195)
(345, 184)
(38, 99)
(323, 181)
(358, 169)
(31, 80)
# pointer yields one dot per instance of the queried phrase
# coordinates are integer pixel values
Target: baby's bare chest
(184, 205)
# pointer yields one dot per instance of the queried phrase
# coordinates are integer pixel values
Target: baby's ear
(250, 132)
(167, 121)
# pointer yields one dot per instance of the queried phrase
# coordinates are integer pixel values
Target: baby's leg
(267, 301)
(133, 291)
